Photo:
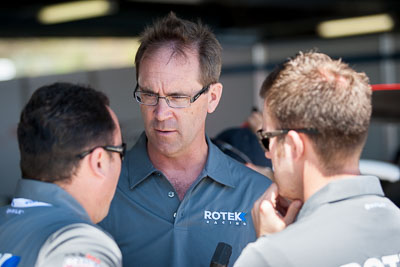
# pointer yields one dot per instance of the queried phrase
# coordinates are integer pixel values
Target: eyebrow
(148, 90)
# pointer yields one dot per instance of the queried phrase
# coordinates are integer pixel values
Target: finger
(269, 195)
(270, 220)
(292, 212)
(266, 208)
(273, 188)
(272, 194)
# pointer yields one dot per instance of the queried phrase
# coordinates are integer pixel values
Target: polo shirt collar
(341, 189)
(140, 167)
(138, 162)
(218, 166)
(49, 193)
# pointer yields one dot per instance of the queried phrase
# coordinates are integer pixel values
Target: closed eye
(148, 94)
(178, 96)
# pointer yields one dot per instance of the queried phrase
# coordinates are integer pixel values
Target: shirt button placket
(171, 194)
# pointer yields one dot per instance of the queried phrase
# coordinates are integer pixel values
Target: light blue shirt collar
(140, 167)
(49, 193)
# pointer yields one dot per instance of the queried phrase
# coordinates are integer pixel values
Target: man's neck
(78, 189)
(181, 169)
(315, 179)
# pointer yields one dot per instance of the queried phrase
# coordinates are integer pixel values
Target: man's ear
(214, 95)
(296, 143)
(98, 161)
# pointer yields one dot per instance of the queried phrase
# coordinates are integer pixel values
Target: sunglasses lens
(265, 142)
(123, 151)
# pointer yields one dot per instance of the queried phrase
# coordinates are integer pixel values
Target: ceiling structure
(247, 21)
(254, 19)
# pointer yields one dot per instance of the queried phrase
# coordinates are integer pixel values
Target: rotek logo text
(225, 217)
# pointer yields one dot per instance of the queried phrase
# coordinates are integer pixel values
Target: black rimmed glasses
(264, 137)
(173, 101)
(118, 149)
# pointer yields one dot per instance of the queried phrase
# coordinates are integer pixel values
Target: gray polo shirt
(46, 227)
(348, 223)
(154, 228)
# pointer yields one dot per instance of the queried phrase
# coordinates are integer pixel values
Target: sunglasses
(264, 137)
(118, 149)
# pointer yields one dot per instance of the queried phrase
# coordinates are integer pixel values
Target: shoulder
(79, 242)
(262, 253)
(245, 175)
(234, 172)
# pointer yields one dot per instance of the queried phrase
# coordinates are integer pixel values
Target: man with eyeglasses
(179, 195)
(71, 155)
(315, 123)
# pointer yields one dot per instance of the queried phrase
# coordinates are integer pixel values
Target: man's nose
(162, 111)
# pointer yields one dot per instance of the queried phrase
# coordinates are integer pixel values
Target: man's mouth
(164, 131)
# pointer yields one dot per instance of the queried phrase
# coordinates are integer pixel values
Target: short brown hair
(314, 91)
(183, 35)
(270, 79)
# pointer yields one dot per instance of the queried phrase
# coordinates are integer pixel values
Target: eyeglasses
(118, 149)
(264, 137)
(173, 101)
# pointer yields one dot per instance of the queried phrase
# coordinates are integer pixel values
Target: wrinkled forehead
(172, 52)
(163, 66)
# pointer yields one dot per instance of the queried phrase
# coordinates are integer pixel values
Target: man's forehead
(171, 73)
(171, 54)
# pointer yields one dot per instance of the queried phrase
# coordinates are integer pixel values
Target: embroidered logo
(225, 217)
(27, 203)
(74, 260)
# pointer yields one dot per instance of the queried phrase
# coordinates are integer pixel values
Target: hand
(272, 213)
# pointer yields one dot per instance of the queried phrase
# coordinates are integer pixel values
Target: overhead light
(355, 26)
(185, 2)
(75, 11)
(7, 69)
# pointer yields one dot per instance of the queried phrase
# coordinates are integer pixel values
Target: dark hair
(59, 122)
(182, 35)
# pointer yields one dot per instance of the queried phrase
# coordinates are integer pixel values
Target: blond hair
(314, 91)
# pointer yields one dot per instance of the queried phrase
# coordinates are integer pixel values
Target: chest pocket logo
(225, 217)
(9, 260)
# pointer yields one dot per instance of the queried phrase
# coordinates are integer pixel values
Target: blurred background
(94, 42)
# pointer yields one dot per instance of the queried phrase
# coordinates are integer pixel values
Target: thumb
(292, 211)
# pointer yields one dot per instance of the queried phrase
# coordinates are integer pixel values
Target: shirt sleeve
(80, 245)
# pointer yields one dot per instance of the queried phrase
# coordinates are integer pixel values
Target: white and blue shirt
(46, 227)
